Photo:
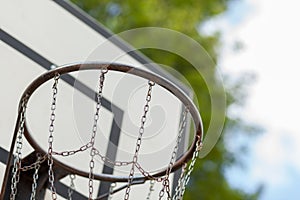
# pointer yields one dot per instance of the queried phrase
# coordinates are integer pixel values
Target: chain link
(139, 139)
(72, 186)
(151, 189)
(166, 188)
(111, 162)
(111, 190)
(166, 182)
(186, 179)
(35, 177)
(33, 165)
(19, 144)
(94, 131)
(178, 140)
(72, 152)
(179, 186)
(97, 153)
(50, 138)
(147, 174)
(91, 174)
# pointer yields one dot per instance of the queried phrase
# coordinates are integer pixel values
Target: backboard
(39, 35)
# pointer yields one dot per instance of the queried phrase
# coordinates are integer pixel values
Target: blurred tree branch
(208, 181)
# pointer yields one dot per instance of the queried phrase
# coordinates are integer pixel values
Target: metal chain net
(94, 132)
(35, 177)
(18, 155)
(151, 189)
(139, 139)
(50, 139)
(166, 182)
(72, 186)
(185, 170)
(111, 191)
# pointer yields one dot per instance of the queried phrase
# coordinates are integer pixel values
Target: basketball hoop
(185, 162)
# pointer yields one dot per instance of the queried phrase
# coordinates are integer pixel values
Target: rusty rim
(188, 103)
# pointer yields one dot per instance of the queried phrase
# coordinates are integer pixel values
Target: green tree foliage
(208, 180)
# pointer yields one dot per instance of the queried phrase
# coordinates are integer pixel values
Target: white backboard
(37, 35)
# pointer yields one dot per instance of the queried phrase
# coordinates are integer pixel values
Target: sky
(269, 33)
